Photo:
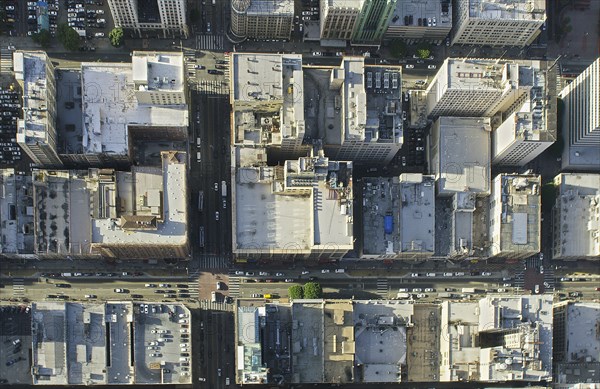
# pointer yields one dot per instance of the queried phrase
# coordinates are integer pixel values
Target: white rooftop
(354, 98)
(30, 69)
(343, 3)
(463, 154)
(578, 204)
(417, 213)
(275, 206)
(163, 195)
(110, 106)
(507, 9)
(158, 70)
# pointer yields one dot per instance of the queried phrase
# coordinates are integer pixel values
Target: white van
(213, 297)
(184, 359)
(340, 270)
(199, 157)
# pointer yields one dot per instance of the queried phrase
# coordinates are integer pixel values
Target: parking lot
(162, 345)
(15, 344)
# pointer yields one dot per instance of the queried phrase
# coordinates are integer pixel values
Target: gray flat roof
(441, 10)
(160, 71)
(507, 9)
(464, 154)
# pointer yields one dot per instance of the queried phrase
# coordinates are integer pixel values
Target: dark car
(182, 286)
(137, 296)
(159, 291)
(184, 295)
(62, 285)
(215, 72)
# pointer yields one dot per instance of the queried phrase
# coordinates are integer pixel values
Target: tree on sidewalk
(313, 290)
(424, 50)
(296, 292)
(116, 36)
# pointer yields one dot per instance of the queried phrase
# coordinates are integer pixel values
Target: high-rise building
(338, 18)
(581, 124)
(363, 112)
(262, 19)
(515, 216)
(497, 22)
(36, 132)
(414, 20)
(475, 88)
(529, 125)
(372, 22)
(165, 16)
(576, 216)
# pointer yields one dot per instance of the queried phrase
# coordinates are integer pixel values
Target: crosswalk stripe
(18, 286)
(209, 42)
(382, 286)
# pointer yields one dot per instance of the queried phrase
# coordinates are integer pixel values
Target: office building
(460, 161)
(262, 19)
(496, 339)
(146, 101)
(16, 205)
(398, 217)
(581, 120)
(106, 343)
(372, 22)
(576, 216)
(497, 22)
(418, 20)
(575, 344)
(36, 132)
(363, 112)
(515, 216)
(473, 87)
(137, 214)
(299, 210)
(267, 97)
(529, 125)
(145, 17)
(338, 19)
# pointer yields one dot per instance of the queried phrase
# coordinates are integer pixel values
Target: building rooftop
(109, 112)
(508, 9)
(338, 341)
(380, 336)
(461, 154)
(343, 3)
(261, 7)
(516, 220)
(36, 75)
(408, 202)
(16, 208)
(158, 71)
(578, 204)
(275, 210)
(250, 320)
(307, 336)
(267, 98)
(428, 9)
(498, 338)
(152, 202)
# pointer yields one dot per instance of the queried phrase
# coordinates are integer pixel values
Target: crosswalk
(209, 42)
(234, 286)
(18, 287)
(382, 286)
(213, 87)
(209, 305)
(6, 61)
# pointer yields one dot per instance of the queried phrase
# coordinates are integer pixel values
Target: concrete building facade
(581, 123)
(497, 22)
(262, 19)
(372, 22)
(576, 216)
(165, 16)
(338, 18)
(36, 132)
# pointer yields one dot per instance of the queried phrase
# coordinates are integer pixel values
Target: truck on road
(468, 290)
(223, 188)
(403, 295)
